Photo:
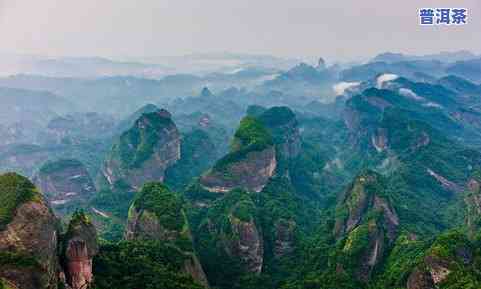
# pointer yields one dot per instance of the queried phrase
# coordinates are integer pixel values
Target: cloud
(409, 93)
(341, 87)
(384, 78)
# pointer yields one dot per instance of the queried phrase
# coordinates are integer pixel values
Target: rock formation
(80, 247)
(28, 236)
(157, 214)
(65, 182)
(365, 214)
(249, 165)
(144, 152)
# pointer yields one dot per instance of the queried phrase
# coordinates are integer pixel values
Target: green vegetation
(59, 165)
(276, 116)
(17, 260)
(166, 205)
(250, 136)
(137, 144)
(198, 153)
(141, 264)
(14, 191)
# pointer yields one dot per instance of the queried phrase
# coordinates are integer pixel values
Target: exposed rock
(379, 140)
(28, 236)
(65, 181)
(250, 173)
(157, 214)
(80, 248)
(284, 238)
(248, 245)
(420, 279)
(144, 152)
(366, 217)
(473, 205)
(448, 185)
(284, 128)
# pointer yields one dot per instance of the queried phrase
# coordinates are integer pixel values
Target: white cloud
(385, 77)
(409, 93)
(341, 87)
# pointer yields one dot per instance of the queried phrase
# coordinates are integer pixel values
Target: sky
(340, 29)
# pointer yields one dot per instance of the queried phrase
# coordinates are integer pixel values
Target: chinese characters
(443, 16)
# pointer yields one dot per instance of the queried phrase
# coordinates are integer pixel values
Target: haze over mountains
(241, 171)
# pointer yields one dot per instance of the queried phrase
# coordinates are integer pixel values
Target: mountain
(249, 164)
(28, 236)
(78, 250)
(157, 214)
(143, 152)
(30, 106)
(469, 69)
(65, 184)
(454, 56)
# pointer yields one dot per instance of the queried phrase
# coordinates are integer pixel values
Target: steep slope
(79, 248)
(28, 236)
(156, 214)
(367, 225)
(144, 152)
(65, 183)
(250, 163)
(452, 261)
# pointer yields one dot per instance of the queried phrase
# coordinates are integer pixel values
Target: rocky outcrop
(65, 182)
(248, 245)
(80, 247)
(365, 219)
(448, 185)
(284, 128)
(251, 173)
(144, 152)
(473, 205)
(451, 253)
(284, 238)
(28, 236)
(420, 279)
(157, 214)
(250, 162)
(362, 196)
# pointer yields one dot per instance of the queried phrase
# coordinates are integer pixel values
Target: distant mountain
(469, 69)
(21, 105)
(391, 57)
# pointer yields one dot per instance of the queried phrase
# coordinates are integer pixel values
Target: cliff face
(251, 173)
(231, 234)
(248, 244)
(367, 224)
(28, 236)
(473, 205)
(80, 247)
(451, 254)
(144, 152)
(64, 182)
(284, 128)
(157, 214)
(250, 163)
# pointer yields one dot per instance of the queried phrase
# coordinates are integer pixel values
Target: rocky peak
(144, 152)
(157, 214)
(206, 92)
(365, 218)
(250, 163)
(80, 245)
(63, 182)
(283, 126)
(321, 64)
(28, 236)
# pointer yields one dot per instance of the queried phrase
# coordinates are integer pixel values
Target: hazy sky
(333, 29)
